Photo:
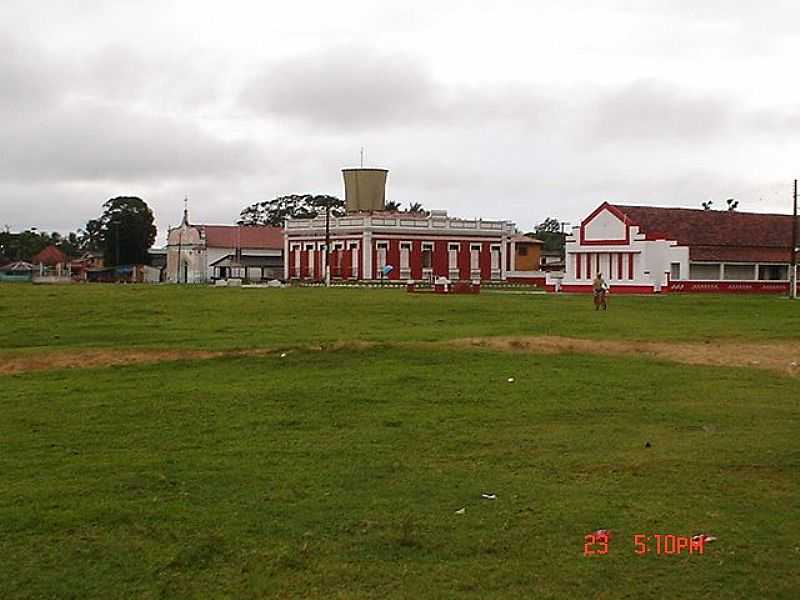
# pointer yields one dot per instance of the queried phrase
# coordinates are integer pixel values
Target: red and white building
(418, 246)
(644, 249)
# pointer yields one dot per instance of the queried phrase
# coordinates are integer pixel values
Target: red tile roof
(50, 256)
(715, 235)
(254, 237)
(518, 237)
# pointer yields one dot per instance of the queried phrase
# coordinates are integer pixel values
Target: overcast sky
(506, 109)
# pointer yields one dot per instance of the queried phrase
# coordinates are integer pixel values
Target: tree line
(304, 206)
(123, 233)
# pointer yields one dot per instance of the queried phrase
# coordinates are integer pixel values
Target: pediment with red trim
(606, 226)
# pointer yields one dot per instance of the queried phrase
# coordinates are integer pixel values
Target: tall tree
(126, 231)
(299, 206)
(549, 231)
(90, 239)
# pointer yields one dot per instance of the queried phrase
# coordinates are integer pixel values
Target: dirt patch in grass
(779, 356)
(783, 357)
(86, 359)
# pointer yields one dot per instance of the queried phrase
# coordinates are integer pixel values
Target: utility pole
(793, 267)
(327, 243)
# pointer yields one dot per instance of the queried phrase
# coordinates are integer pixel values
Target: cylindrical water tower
(365, 189)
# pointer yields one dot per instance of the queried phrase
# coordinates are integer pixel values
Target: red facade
(347, 256)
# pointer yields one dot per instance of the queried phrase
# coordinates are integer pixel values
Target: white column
(286, 256)
(503, 253)
(366, 255)
(757, 272)
(355, 269)
(721, 271)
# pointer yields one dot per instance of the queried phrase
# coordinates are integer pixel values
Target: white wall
(184, 243)
(212, 256)
(657, 258)
(604, 226)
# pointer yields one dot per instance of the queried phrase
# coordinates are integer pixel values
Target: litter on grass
(510, 380)
(703, 538)
(461, 511)
(489, 496)
(602, 533)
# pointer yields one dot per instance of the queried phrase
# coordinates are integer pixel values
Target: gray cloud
(176, 81)
(26, 81)
(361, 88)
(86, 142)
(344, 87)
(776, 123)
(650, 110)
(334, 92)
(70, 120)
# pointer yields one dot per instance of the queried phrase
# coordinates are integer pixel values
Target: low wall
(696, 287)
(540, 281)
(10, 278)
(731, 287)
(50, 279)
(615, 289)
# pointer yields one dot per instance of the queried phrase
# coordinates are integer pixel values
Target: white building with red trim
(642, 249)
(199, 253)
(418, 246)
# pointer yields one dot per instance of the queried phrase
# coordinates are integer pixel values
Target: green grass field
(337, 473)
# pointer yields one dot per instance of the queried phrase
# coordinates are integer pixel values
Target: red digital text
(598, 543)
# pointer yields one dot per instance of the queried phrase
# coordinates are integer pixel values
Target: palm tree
(415, 207)
(392, 206)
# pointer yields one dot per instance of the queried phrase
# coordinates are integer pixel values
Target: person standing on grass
(600, 289)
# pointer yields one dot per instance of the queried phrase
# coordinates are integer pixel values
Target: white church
(207, 253)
